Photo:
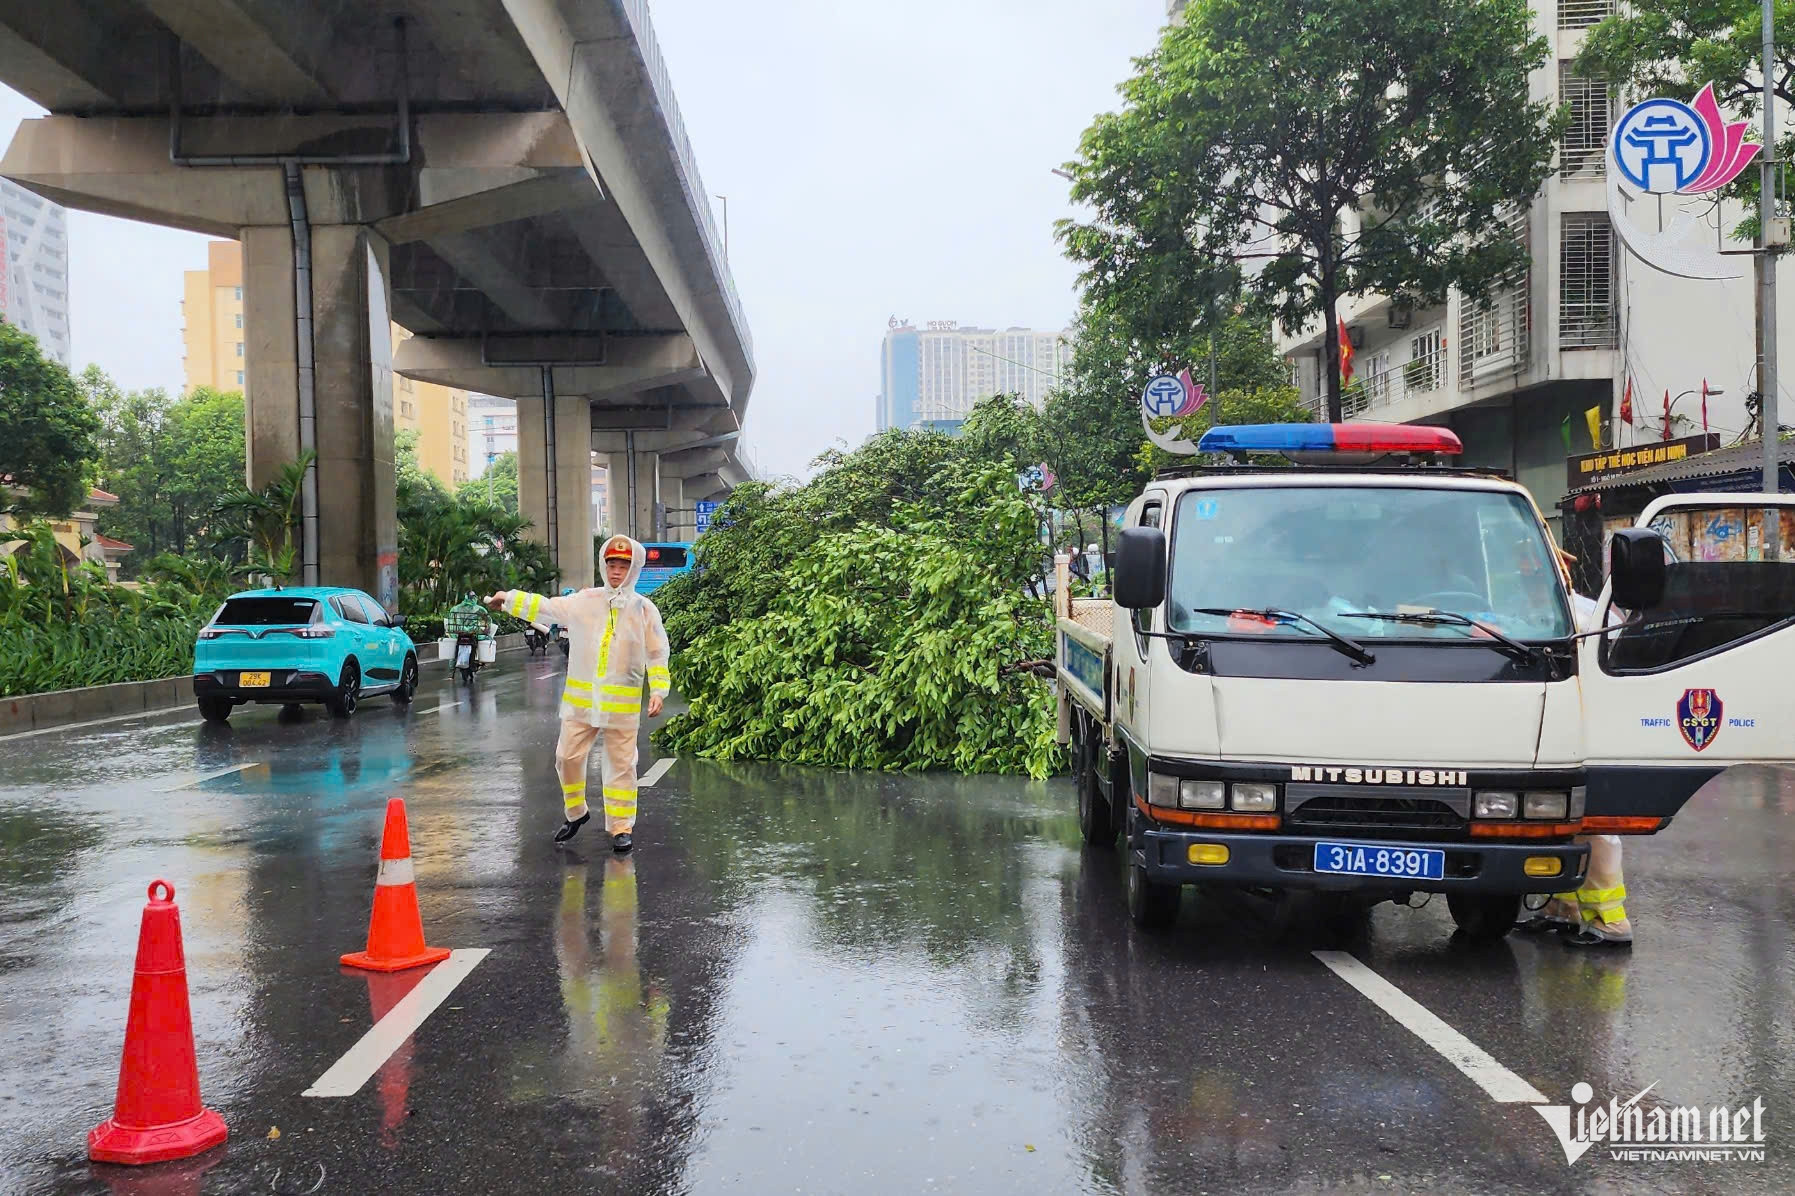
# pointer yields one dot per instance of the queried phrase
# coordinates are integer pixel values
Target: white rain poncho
(615, 643)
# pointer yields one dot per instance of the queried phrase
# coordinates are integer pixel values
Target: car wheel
(408, 682)
(1152, 906)
(215, 710)
(1482, 918)
(342, 704)
(291, 712)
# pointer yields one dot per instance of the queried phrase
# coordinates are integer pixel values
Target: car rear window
(661, 556)
(265, 612)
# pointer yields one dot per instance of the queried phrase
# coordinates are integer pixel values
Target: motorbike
(537, 640)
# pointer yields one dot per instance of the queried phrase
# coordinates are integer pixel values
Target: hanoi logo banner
(1663, 146)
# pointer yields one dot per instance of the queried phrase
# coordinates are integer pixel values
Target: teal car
(314, 644)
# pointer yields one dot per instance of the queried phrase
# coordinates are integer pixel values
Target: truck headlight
(1496, 803)
(1546, 805)
(1162, 790)
(1256, 797)
(1202, 795)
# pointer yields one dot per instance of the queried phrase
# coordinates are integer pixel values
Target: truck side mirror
(1636, 567)
(1140, 578)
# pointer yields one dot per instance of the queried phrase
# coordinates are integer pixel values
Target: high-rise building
(212, 320)
(492, 429)
(213, 340)
(34, 286)
(933, 376)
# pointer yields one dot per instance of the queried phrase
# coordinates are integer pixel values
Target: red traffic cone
(157, 1115)
(396, 930)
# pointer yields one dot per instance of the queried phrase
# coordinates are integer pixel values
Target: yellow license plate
(255, 680)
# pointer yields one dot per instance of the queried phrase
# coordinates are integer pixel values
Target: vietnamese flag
(1666, 435)
(1626, 403)
(1346, 353)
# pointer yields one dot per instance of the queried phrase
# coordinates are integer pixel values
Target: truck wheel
(1152, 905)
(1096, 817)
(1481, 918)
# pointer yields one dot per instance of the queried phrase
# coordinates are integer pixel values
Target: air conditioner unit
(1400, 317)
(1357, 336)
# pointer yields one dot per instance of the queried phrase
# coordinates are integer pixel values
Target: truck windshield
(1328, 551)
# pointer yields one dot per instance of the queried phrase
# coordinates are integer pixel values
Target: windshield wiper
(1447, 618)
(1352, 648)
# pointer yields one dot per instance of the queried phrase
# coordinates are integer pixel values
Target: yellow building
(212, 338)
(212, 320)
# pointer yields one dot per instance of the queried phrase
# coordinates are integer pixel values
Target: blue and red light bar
(1330, 438)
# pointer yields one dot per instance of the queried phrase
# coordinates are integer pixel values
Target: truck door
(1699, 682)
(1130, 649)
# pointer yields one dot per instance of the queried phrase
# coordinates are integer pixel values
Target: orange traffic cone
(396, 931)
(157, 1115)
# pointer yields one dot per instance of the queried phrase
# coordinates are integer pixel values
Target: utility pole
(1767, 420)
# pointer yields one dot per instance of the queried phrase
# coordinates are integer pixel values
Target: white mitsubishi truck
(1360, 673)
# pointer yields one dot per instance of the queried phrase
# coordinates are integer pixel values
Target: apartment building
(34, 283)
(934, 375)
(1515, 371)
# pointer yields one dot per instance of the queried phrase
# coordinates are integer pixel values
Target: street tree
(1331, 147)
(497, 487)
(47, 430)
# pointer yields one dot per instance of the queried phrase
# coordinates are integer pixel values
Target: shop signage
(1589, 468)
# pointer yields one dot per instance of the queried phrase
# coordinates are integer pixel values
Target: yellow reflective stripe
(573, 787)
(604, 643)
(657, 670)
(535, 608)
(619, 707)
(627, 691)
(1606, 914)
(573, 801)
(514, 604)
(620, 809)
(629, 793)
(583, 703)
(1602, 896)
(576, 683)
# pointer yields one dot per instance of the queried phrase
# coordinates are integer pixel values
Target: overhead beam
(254, 50)
(632, 364)
(59, 59)
(487, 262)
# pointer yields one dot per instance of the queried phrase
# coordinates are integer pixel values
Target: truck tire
(1484, 918)
(1152, 906)
(1097, 820)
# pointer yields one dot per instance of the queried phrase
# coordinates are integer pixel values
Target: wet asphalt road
(814, 982)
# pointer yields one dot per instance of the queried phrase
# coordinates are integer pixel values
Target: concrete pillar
(678, 524)
(573, 481)
(358, 537)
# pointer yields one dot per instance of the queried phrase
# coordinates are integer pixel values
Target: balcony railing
(1581, 14)
(1417, 376)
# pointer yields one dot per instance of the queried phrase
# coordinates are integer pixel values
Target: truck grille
(1402, 813)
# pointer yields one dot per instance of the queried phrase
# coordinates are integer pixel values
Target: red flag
(1666, 435)
(1704, 406)
(1346, 353)
(1626, 403)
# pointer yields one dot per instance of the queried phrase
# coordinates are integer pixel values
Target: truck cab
(1365, 677)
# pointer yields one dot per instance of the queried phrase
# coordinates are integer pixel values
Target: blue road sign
(705, 511)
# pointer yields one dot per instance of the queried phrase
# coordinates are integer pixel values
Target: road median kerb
(37, 712)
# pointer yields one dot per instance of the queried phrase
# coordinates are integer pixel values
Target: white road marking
(1503, 1085)
(100, 722)
(658, 771)
(348, 1074)
(212, 776)
(444, 706)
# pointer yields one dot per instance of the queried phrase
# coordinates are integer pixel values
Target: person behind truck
(1596, 914)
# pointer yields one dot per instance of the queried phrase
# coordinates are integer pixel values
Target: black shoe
(1590, 938)
(622, 842)
(568, 830)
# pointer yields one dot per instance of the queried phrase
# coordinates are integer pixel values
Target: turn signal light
(1608, 824)
(1525, 830)
(1220, 822)
(1542, 865)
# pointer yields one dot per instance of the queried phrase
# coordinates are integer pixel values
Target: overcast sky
(879, 159)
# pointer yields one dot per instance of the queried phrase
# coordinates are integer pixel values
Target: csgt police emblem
(1698, 717)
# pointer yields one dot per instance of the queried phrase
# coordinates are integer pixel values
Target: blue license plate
(1363, 859)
